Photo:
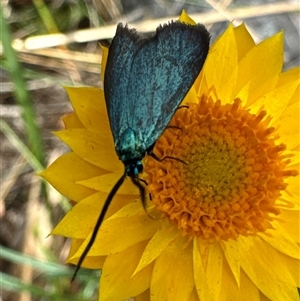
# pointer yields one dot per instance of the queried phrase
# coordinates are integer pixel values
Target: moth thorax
(128, 146)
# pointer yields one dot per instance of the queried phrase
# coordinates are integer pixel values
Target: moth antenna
(98, 224)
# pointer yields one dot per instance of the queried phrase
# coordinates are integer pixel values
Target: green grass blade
(13, 284)
(20, 146)
(21, 93)
(49, 268)
(46, 16)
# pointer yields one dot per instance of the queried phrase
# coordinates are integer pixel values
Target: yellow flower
(223, 227)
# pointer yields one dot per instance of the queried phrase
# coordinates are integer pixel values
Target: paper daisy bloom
(225, 225)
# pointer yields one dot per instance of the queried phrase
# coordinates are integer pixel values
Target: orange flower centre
(233, 175)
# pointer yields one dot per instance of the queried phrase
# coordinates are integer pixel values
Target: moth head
(134, 168)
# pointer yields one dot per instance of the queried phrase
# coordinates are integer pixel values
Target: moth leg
(175, 126)
(166, 157)
(145, 182)
(150, 153)
(137, 183)
(183, 106)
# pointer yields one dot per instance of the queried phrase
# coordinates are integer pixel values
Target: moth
(146, 79)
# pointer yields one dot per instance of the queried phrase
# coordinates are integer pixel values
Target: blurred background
(46, 44)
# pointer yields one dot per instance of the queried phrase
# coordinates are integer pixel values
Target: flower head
(223, 226)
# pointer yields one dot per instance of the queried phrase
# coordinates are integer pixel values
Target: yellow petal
(191, 96)
(208, 270)
(202, 85)
(264, 298)
(172, 277)
(104, 60)
(291, 220)
(117, 282)
(276, 101)
(199, 273)
(195, 91)
(214, 271)
(220, 68)
(185, 18)
(86, 213)
(145, 296)
(281, 240)
(158, 243)
(230, 290)
(266, 269)
(95, 262)
(92, 147)
(71, 224)
(293, 266)
(286, 202)
(58, 175)
(288, 76)
(295, 97)
(106, 182)
(72, 121)
(89, 262)
(288, 125)
(293, 202)
(117, 235)
(90, 107)
(75, 244)
(243, 94)
(261, 67)
(233, 259)
(133, 208)
(194, 296)
(292, 192)
(248, 289)
(244, 40)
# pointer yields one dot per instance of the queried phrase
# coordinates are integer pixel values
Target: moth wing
(116, 79)
(162, 72)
